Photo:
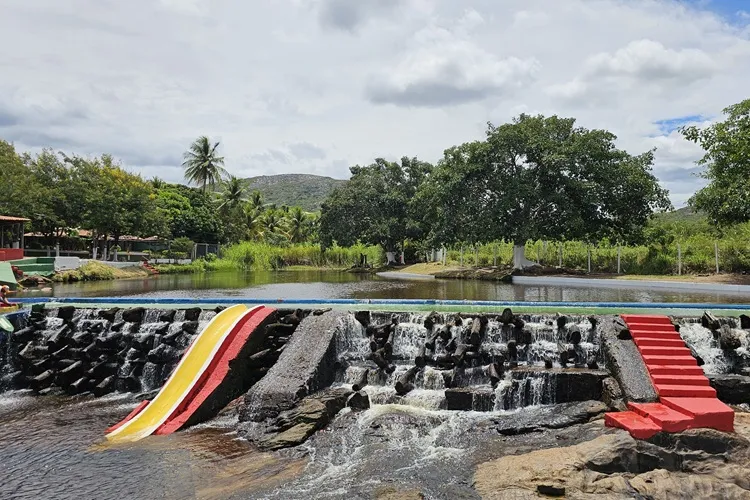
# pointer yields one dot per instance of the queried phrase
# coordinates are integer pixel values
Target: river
(344, 285)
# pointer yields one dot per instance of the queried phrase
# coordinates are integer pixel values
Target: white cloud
(301, 86)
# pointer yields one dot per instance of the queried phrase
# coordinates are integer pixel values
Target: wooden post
(462, 256)
(494, 255)
(588, 253)
(538, 254)
(619, 255)
(445, 256)
(716, 254)
(679, 259)
(476, 255)
(559, 257)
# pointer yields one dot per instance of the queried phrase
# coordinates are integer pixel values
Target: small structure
(11, 237)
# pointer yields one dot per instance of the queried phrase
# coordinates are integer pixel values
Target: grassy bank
(96, 271)
(263, 257)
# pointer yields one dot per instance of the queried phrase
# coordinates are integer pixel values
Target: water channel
(54, 447)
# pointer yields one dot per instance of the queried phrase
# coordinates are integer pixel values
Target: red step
(639, 427)
(659, 342)
(656, 336)
(685, 391)
(664, 351)
(650, 327)
(706, 412)
(682, 370)
(670, 360)
(665, 417)
(680, 380)
(645, 318)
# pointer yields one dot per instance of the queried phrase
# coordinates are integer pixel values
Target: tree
(298, 225)
(232, 195)
(726, 199)
(191, 213)
(19, 190)
(375, 205)
(203, 165)
(540, 178)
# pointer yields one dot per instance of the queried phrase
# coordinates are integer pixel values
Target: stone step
(682, 370)
(665, 417)
(706, 412)
(685, 391)
(680, 380)
(638, 426)
(670, 360)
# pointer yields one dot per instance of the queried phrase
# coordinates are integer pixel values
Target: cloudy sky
(317, 85)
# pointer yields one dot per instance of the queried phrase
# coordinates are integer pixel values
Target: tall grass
(698, 256)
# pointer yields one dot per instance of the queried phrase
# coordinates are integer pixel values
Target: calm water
(343, 285)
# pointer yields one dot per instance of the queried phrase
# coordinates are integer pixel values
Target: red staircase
(686, 399)
(148, 267)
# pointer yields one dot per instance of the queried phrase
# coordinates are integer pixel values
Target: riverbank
(97, 271)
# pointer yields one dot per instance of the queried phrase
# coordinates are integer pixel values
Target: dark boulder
(42, 380)
(190, 327)
(105, 386)
(731, 389)
(66, 312)
(23, 335)
(109, 314)
(506, 317)
(79, 386)
(163, 354)
(83, 338)
(574, 335)
(134, 315)
(475, 398)
(561, 322)
(358, 401)
(710, 321)
(193, 314)
(363, 317)
(744, 321)
(144, 341)
(167, 316)
(172, 338)
(730, 339)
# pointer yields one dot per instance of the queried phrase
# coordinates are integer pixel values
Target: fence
(693, 256)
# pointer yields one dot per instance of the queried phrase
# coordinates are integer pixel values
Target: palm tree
(157, 183)
(256, 199)
(254, 218)
(233, 194)
(271, 221)
(203, 166)
(297, 224)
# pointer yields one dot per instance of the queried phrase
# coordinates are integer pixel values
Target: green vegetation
(96, 271)
(303, 190)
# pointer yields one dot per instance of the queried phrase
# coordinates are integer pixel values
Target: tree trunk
(519, 258)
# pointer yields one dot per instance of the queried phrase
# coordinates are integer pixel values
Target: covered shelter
(11, 237)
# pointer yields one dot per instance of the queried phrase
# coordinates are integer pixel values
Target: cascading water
(470, 384)
(706, 343)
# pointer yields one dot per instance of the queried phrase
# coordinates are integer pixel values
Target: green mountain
(304, 190)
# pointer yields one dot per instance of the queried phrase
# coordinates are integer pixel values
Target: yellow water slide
(187, 373)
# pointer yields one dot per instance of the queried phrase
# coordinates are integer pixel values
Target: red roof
(8, 218)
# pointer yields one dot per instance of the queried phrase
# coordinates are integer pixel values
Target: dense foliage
(726, 199)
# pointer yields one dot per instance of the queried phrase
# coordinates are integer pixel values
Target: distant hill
(304, 190)
(685, 214)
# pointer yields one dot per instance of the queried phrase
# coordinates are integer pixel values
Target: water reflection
(334, 284)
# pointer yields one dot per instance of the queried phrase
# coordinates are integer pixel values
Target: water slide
(198, 374)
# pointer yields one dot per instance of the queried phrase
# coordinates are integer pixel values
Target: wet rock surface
(625, 364)
(732, 389)
(549, 417)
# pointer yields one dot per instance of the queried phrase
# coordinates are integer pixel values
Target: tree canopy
(726, 199)
(203, 165)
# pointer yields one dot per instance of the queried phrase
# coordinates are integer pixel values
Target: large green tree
(726, 199)
(203, 165)
(375, 205)
(540, 178)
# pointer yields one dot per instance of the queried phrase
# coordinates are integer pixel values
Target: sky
(314, 86)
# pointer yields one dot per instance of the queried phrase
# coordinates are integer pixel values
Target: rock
(163, 353)
(523, 336)
(594, 321)
(506, 317)
(167, 316)
(105, 386)
(190, 327)
(193, 314)
(744, 321)
(66, 312)
(172, 338)
(83, 338)
(109, 341)
(574, 335)
(79, 386)
(32, 351)
(626, 365)
(23, 335)
(730, 339)
(561, 322)
(109, 314)
(548, 362)
(134, 315)
(710, 321)
(549, 417)
(312, 413)
(470, 398)
(731, 389)
(621, 329)
(144, 341)
(42, 380)
(320, 312)
(11, 380)
(363, 317)
(550, 490)
(592, 364)
(611, 393)
(358, 401)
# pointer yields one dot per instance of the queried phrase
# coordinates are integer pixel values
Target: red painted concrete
(11, 254)
(217, 370)
(686, 398)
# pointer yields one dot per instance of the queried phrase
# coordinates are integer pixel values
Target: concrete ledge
(613, 283)
(67, 263)
(626, 365)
